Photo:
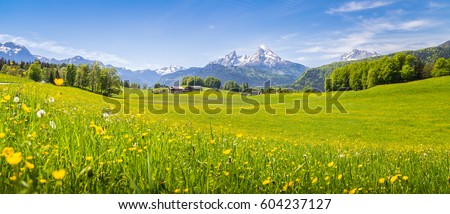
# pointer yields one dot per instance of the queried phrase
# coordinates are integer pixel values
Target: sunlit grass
(394, 139)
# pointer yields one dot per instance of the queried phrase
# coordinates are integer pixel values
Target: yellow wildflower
(29, 165)
(381, 180)
(25, 108)
(393, 178)
(13, 178)
(186, 190)
(42, 181)
(2, 135)
(7, 152)
(7, 97)
(226, 173)
(15, 158)
(339, 177)
(314, 180)
(353, 191)
(265, 182)
(88, 158)
(239, 135)
(176, 191)
(331, 164)
(58, 81)
(327, 178)
(405, 178)
(227, 152)
(212, 141)
(59, 174)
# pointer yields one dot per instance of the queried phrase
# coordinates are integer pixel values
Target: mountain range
(255, 69)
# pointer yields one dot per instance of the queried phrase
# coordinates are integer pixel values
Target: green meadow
(391, 139)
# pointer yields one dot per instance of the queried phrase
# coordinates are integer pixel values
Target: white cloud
(357, 6)
(436, 5)
(56, 48)
(288, 36)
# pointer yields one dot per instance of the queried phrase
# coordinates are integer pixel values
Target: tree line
(95, 78)
(386, 70)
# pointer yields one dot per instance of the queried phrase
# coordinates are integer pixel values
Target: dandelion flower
(88, 158)
(331, 164)
(58, 81)
(42, 181)
(99, 130)
(339, 177)
(25, 108)
(265, 182)
(314, 180)
(59, 174)
(29, 165)
(239, 135)
(353, 191)
(405, 178)
(212, 141)
(381, 181)
(176, 191)
(226, 173)
(393, 179)
(51, 99)
(40, 113)
(327, 178)
(16, 100)
(227, 152)
(186, 190)
(15, 158)
(2, 135)
(13, 178)
(7, 152)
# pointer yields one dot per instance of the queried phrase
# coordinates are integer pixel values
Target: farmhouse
(192, 88)
(176, 89)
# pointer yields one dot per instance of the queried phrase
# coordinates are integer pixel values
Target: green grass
(389, 132)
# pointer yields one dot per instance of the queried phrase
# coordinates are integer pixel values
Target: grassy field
(393, 139)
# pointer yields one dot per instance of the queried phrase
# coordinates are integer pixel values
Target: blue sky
(152, 34)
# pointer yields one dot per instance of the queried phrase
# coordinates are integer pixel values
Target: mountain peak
(264, 47)
(356, 54)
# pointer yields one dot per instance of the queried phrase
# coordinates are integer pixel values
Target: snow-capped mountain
(356, 54)
(231, 59)
(15, 52)
(255, 69)
(169, 70)
(263, 57)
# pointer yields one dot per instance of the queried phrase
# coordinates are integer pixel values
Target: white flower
(16, 99)
(105, 114)
(51, 99)
(52, 124)
(40, 113)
